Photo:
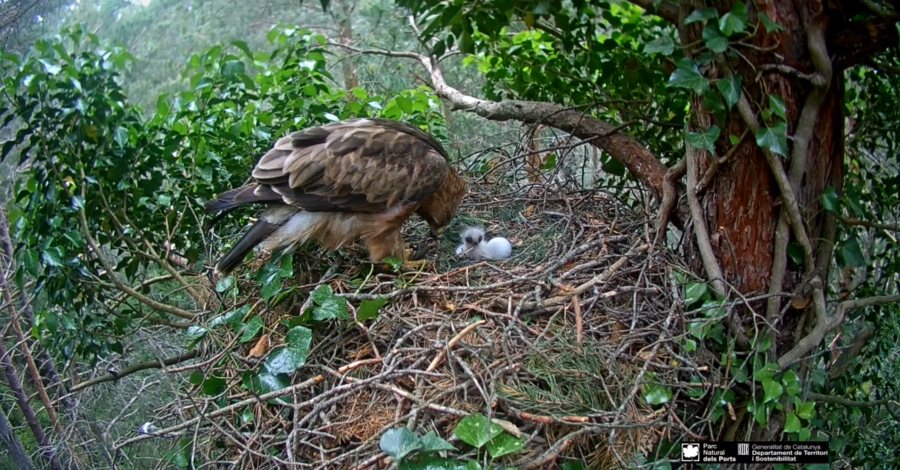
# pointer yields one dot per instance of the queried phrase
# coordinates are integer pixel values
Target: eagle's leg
(391, 245)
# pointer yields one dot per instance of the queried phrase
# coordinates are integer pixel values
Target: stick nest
(563, 343)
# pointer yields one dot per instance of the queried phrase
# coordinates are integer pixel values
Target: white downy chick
(475, 247)
(473, 243)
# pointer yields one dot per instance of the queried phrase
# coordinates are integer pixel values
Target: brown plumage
(357, 179)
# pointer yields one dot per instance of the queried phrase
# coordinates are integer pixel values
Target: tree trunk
(12, 445)
(744, 208)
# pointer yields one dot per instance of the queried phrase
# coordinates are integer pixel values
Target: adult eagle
(357, 179)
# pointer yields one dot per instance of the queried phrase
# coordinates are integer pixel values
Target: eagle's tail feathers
(260, 230)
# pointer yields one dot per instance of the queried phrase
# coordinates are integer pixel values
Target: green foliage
(100, 170)
(413, 452)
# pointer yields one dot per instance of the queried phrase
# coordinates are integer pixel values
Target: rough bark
(12, 444)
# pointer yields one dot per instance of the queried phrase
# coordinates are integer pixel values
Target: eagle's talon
(415, 264)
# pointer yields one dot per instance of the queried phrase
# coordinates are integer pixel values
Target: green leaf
(405, 104)
(663, 45)
(232, 317)
(776, 104)
(795, 251)
(791, 423)
(265, 382)
(438, 464)
(773, 390)
(694, 291)
(213, 386)
(791, 383)
(730, 87)
(431, 442)
(704, 140)
(52, 256)
(369, 308)
(852, 253)
(735, 21)
(30, 259)
(504, 444)
(806, 410)
(476, 430)
(321, 294)
(773, 138)
(224, 284)
(549, 162)
(243, 47)
(701, 15)
(687, 75)
(399, 442)
(288, 358)
(332, 307)
(253, 326)
(803, 436)
(233, 68)
(768, 23)
(714, 39)
(656, 394)
(830, 200)
(121, 136)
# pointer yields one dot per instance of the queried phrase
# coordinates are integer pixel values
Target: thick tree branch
(826, 323)
(666, 10)
(157, 364)
(866, 223)
(623, 148)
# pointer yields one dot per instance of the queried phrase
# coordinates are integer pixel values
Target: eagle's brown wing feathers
(376, 172)
(352, 165)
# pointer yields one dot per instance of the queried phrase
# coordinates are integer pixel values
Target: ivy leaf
(322, 293)
(224, 284)
(701, 15)
(795, 251)
(369, 308)
(687, 75)
(730, 87)
(694, 292)
(288, 358)
(806, 410)
(830, 200)
(776, 104)
(399, 442)
(768, 23)
(431, 442)
(772, 389)
(704, 140)
(735, 21)
(265, 382)
(656, 394)
(714, 39)
(30, 259)
(213, 386)
(791, 383)
(504, 444)
(332, 307)
(773, 138)
(852, 253)
(476, 430)
(663, 45)
(253, 326)
(791, 423)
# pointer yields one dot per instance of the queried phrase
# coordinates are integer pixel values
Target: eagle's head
(439, 207)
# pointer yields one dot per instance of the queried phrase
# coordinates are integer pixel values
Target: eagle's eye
(479, 239)
(469, 240)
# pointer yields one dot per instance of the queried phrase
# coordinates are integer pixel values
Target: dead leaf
(528, 211)
(260, 348)
(508, 427)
